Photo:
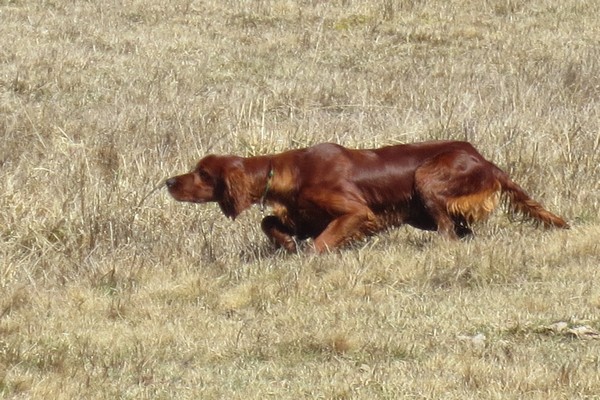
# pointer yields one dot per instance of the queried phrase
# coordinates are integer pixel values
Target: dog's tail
(520, 202)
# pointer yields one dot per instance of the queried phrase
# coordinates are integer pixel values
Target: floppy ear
(236, 193)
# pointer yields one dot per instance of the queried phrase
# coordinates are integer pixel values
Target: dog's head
(218, 179)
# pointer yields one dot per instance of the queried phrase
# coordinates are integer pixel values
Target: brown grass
(110, 289)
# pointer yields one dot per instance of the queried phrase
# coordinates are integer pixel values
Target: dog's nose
(171, 182)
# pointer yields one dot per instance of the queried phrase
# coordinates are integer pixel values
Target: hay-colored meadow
(111, 289)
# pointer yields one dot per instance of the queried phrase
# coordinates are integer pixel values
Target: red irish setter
(335, 195)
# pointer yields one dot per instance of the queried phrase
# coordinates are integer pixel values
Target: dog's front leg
(345, 228)
(278, 233)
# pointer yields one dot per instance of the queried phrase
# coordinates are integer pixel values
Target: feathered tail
(520, 202)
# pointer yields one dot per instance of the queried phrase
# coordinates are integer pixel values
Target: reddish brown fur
(335, 195)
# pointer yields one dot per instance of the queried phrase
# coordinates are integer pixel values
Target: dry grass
(112, 290)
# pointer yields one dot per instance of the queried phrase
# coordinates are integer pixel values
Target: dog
(335, 195)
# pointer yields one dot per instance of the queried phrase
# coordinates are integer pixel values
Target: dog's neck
(263, 198)
(261, 172)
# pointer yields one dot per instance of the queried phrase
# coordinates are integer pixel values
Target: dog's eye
(205, 176)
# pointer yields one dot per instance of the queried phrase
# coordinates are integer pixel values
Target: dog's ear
(236, 192)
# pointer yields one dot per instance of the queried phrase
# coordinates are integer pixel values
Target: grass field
(109, 289)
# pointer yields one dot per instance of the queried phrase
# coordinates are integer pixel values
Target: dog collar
(263, 199)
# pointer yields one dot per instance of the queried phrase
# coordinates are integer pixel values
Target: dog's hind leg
(457, 189)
